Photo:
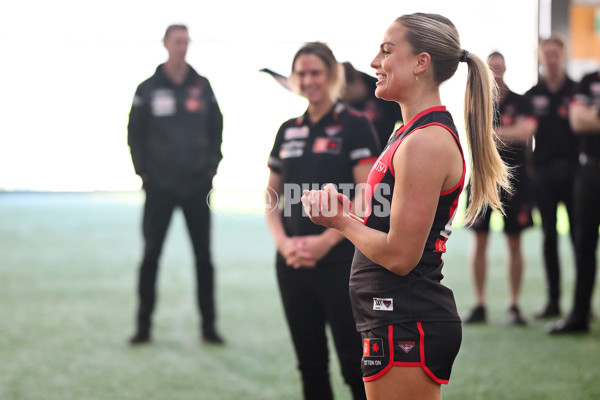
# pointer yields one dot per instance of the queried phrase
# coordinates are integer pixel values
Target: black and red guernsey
(380, 297)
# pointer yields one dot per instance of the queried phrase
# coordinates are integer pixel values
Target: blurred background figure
(584, 116)
(330, 143)
(359, 93)
(515, 125)
(554, 159)
(174, 133)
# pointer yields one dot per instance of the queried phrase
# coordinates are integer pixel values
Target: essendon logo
(406, 346)
(383, 304)
(333, 130)
(373, 347)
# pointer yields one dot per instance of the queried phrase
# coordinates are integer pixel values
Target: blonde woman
(407, 318)
(328, 143)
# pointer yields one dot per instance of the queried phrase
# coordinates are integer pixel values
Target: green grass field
(68, 266)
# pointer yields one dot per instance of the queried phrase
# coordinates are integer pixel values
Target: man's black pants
(551, 186)
(158, 211)
(587, 221)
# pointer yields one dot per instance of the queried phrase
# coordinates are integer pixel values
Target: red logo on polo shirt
(327, 145)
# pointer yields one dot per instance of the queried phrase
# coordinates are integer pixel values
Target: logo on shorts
(373, 347)
(406, 346)
(383, 304)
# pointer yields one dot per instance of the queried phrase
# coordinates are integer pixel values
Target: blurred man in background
(584, 116)
(174, 133)
(554, 159)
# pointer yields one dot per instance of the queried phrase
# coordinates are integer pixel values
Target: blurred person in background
(584, 116)
(554, 159)
(359, 93)
(328, 143)
(174, 134)
(515, 125)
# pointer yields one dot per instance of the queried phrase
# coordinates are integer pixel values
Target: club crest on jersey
(332, 130)
(383, 304)
(195, 91)
(406, 346)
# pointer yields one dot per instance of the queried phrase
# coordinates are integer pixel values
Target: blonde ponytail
(437, 36)
(489, 174)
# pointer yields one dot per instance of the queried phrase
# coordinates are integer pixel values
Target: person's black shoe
(569, 324)
(552, 309)
(212, 337)
(140, 337)
(476, 315)
(515, 318)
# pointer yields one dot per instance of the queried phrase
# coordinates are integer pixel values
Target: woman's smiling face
(312, 77)
(394, 65)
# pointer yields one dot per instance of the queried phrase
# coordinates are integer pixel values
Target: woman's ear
(423, 63)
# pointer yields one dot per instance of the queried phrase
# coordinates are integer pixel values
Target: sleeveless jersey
(380, 297)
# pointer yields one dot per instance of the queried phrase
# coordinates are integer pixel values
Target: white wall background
(70, 68)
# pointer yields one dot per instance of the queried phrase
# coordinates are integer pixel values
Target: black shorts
(517, 210)
(432, 346)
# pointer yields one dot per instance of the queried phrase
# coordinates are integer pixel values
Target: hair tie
(464, 56)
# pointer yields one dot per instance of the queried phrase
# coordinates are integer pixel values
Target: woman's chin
(380, 93)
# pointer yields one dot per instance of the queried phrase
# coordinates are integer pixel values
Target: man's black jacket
(175, 132)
